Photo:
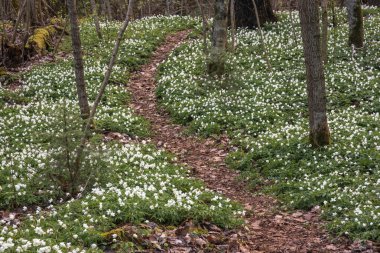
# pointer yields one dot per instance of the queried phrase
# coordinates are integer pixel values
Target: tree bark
(168, 7)
(355, 22)
(96, 18)
(18, 20)
(266, 54)
(233, 25)
(294, 33)
(78, 60)
(245, 13)
(109, 9)
(216, 65)
(204, 25)
(324, 5)
(319, 129)
(334, 19)
(86, 131)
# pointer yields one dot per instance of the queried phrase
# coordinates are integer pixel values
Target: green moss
(3, 72)
(40, 41)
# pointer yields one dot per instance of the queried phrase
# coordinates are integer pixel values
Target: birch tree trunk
(78, 60)
(355, 22)
(319, 129)
(216, 66)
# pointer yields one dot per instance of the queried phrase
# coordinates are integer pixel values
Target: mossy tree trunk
(311, 36)
(216, 65)
(78, 60)
(355, 22)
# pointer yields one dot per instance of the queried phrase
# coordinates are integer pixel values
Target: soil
(267, 228)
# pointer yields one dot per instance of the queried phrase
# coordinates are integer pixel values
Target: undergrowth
(265, 114)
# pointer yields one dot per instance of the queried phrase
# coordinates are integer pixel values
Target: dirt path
(267, 229)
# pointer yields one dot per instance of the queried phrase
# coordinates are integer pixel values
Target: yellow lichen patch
(3, 72)
(109, 234)
(41, 39)
(56, 21)
(198, 231)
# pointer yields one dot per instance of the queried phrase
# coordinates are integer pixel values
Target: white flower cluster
(133, 183)
(265, 113)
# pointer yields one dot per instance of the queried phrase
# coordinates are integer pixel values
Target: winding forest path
(267, 229)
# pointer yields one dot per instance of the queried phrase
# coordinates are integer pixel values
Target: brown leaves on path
(266, 229)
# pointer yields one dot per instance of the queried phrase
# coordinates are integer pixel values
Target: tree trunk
(204, 25)
(18, 20)
(109, 9)
(219, 39)
(103, 8)
(245, 13)
(78, 60)
(319, 129)
(355, 22)
(96, 19)
(294, 33)
(233, 26)
(325, 21)
(86, 135)
(334, 19)
(168, 7)
(266, 54)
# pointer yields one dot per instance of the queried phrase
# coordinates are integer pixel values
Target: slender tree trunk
(86, 132)
(33, 12)
(78, 60)
(96, 18)
(266, 53)
(334, 19)
(56, 46)
(28, 23)
(103, 11)
(216, 65)
(18, 20)
(4, 36)
(233, 24)
(355, 22)
(325, 31)
(319, 129)
(109, 9)
(167, 7)
(245, 13)
(204, 25)
(292, 22)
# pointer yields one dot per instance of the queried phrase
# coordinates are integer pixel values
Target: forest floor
(267, 228)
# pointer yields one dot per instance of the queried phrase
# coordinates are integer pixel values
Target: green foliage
(40, 127)
(265, 114)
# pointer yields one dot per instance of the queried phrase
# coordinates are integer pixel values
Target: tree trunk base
(215, 68)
